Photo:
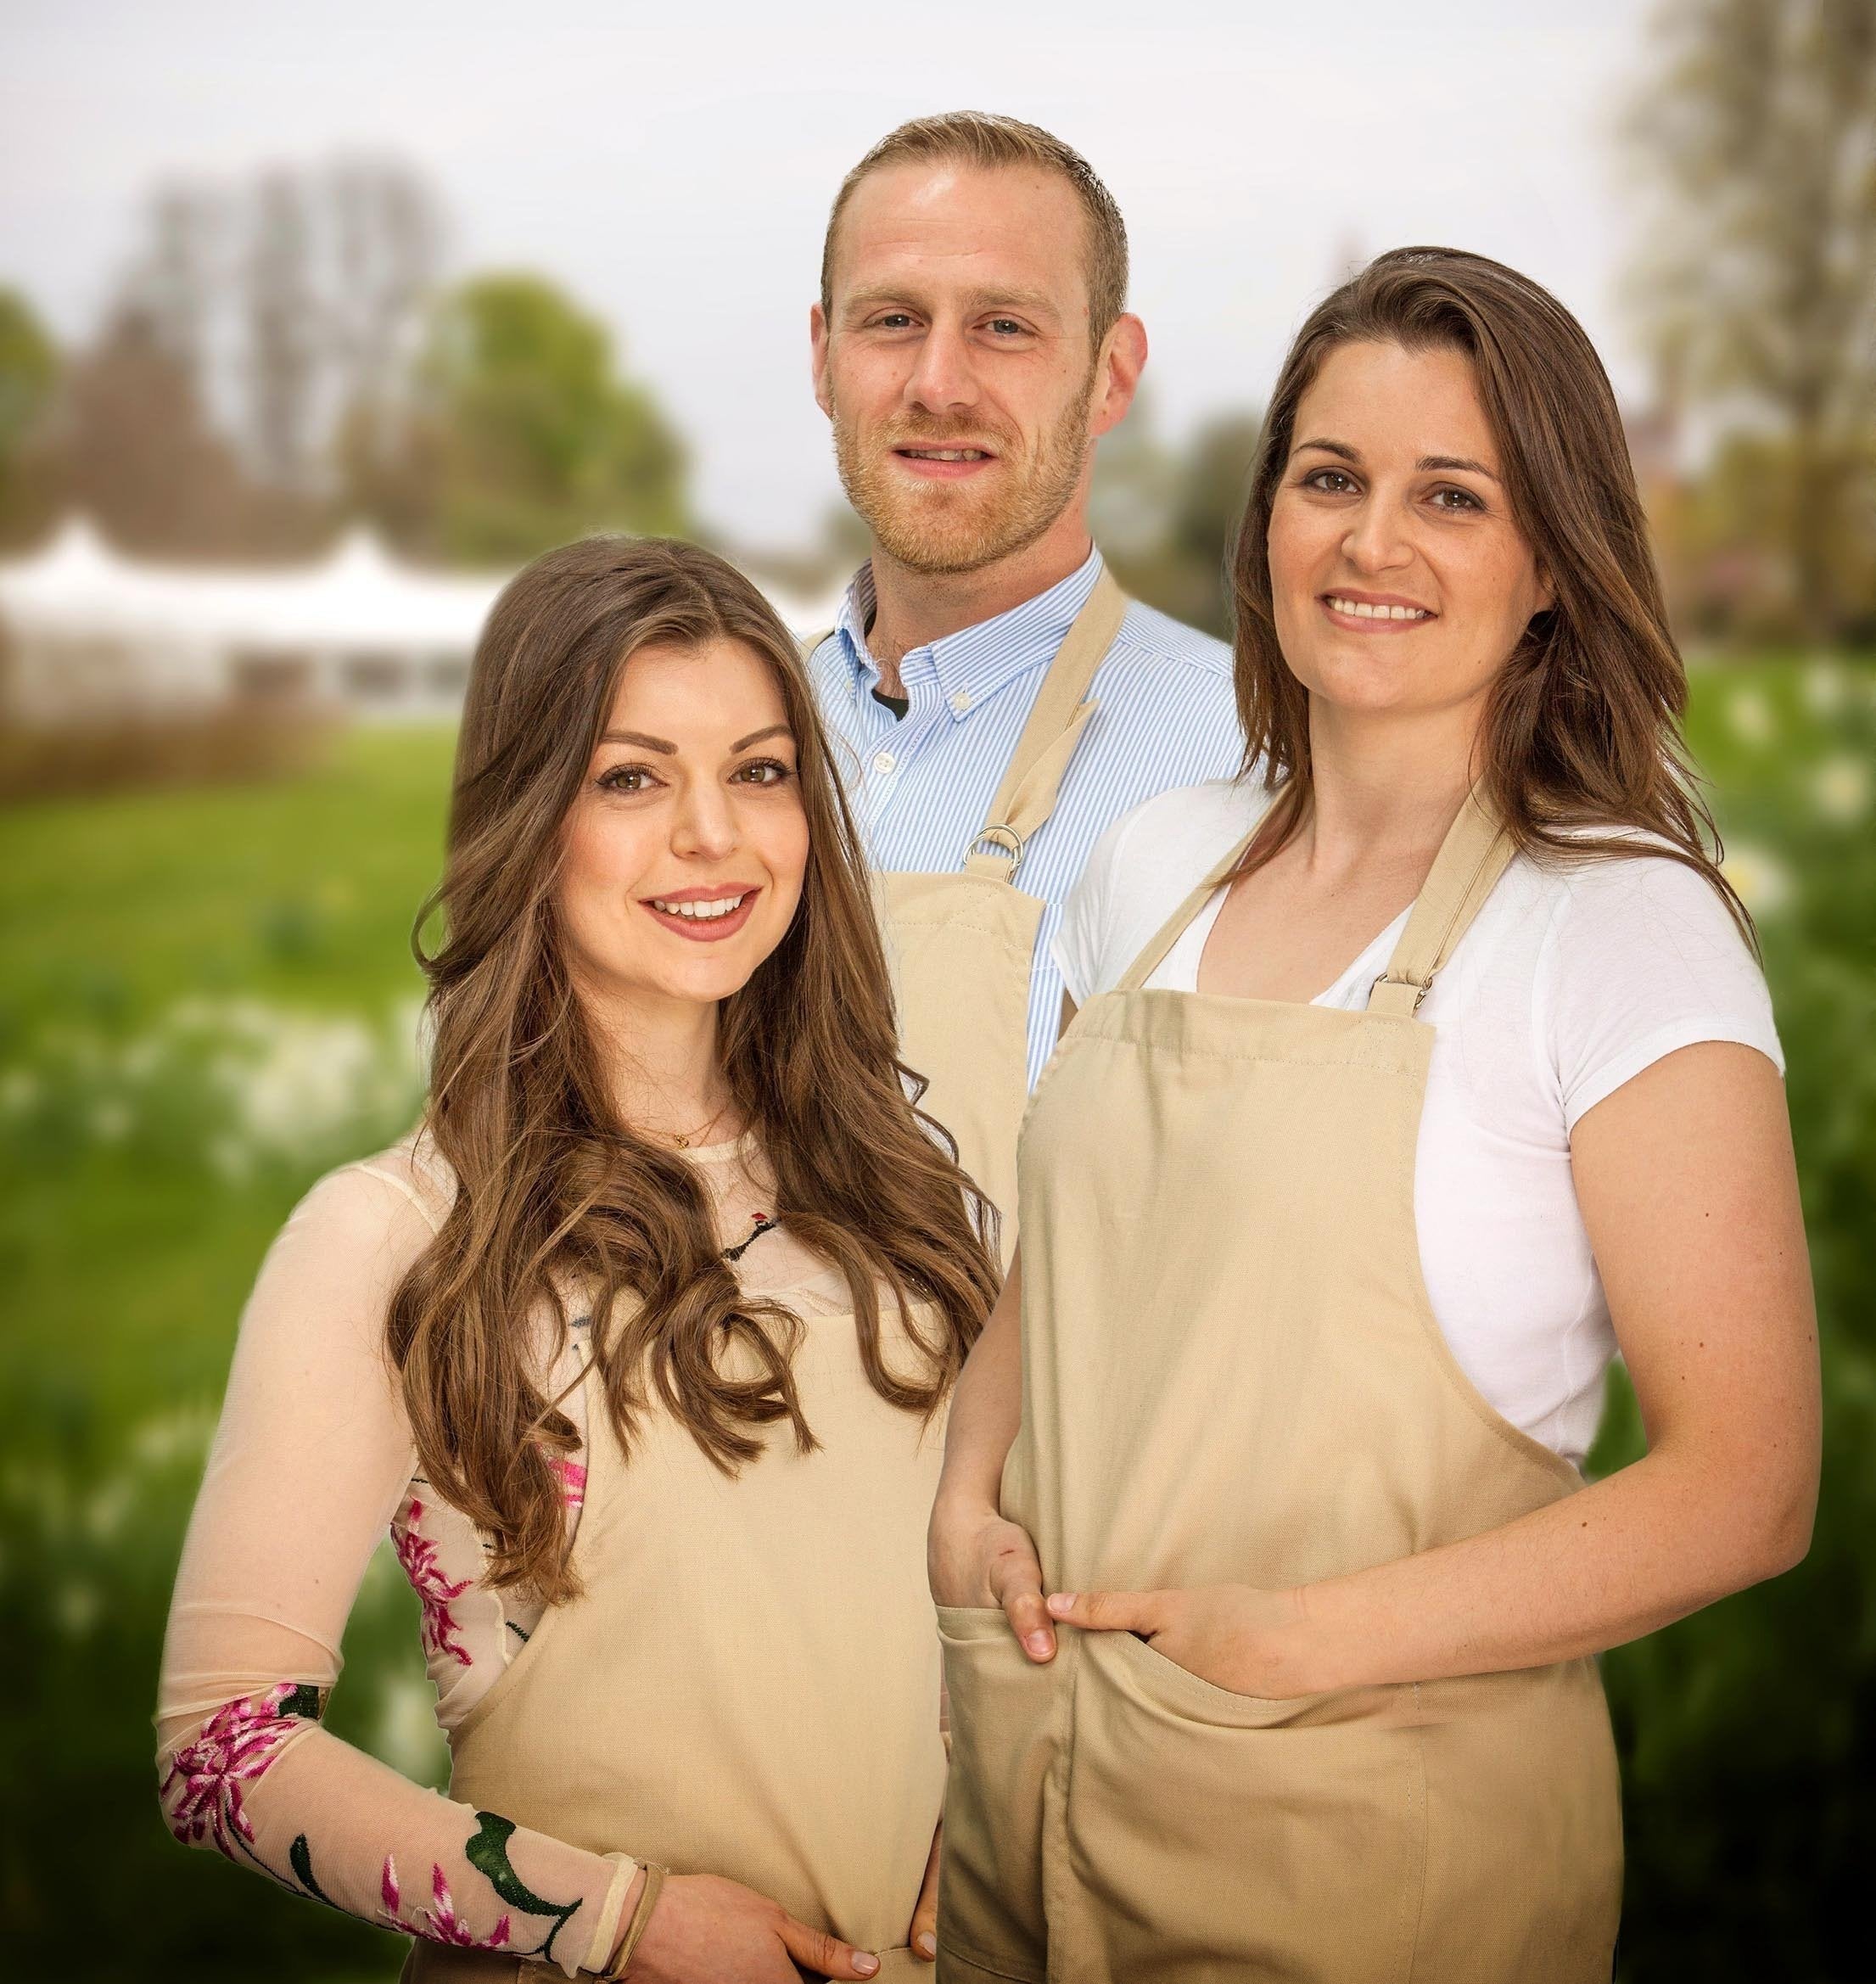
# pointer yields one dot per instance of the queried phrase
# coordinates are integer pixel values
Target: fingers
(1015, 1578)
(924, 1936)
(1107, 1611)
(826, 1955)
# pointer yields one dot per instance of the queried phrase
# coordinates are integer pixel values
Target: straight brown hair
(1581, 740)
(558, 1200)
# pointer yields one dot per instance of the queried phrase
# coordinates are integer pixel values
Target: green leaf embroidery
(488, 1853)
(300, 1854)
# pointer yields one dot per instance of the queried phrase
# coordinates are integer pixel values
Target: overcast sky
(673, 166)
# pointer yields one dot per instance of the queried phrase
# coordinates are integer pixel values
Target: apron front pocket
(1227, 1835)
(991, 1906)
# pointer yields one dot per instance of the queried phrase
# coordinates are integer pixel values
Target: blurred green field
(206, 999)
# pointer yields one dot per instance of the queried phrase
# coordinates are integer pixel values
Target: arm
(1688, 1192)
(973, 1555)
(310, 1462)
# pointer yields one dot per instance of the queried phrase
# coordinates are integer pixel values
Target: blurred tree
(1167, 520)
(524, 433)
(29, 374)
(1757, 131)
(285, 334)
(136, 451)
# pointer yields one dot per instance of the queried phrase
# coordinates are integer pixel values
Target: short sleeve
(1078, 941)
(1645, 959)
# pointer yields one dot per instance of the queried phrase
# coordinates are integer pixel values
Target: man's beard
(946, 527)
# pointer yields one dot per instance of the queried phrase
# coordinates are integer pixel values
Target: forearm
(1647, 1546)
(986, 1403)
(261, 1782)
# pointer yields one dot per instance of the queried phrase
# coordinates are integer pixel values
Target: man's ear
(1117, 367)
(817, 345)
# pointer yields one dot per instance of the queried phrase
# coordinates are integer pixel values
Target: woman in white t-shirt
(1411, 1080)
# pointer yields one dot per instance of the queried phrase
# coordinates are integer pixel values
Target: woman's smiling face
(1400, 581)
(684, 851)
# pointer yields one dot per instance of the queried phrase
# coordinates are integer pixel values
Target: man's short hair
(975, 138)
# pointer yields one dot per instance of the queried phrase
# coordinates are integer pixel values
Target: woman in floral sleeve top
(348, 1416)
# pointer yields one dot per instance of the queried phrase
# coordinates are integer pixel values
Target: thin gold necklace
(685, 1140)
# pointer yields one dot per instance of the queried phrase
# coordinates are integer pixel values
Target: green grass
(301, 891)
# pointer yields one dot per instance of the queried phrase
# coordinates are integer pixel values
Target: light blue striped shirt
(921, 786)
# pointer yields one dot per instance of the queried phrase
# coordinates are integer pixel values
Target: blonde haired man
(1004, 703)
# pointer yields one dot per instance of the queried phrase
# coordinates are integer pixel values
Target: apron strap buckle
(1395, 1000)
(1005, 837)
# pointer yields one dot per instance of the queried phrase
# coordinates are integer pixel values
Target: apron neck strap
(1057, 717)
(1474, 854)
(1170, 930)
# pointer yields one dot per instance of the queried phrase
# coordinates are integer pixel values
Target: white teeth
(701, 912)
(1361, 609)
(946, 454)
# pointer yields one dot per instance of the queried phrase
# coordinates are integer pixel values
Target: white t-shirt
(1571, 982)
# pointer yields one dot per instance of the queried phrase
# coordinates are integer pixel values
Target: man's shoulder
(1147, 634)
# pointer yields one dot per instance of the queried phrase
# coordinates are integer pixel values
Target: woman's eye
(626, 778)
(764, 771)
(1463, 499)
(1330, 481)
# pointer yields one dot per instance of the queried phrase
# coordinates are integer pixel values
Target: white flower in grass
(1749, 713)
(111, 1120)
(405, 1736)
(1763, 882)
(1826, 685)
(20, 1090)
(1840, 788)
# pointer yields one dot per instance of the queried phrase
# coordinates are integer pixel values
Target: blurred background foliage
(206, 997)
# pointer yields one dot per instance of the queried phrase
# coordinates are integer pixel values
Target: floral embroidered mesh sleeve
(312, 1464)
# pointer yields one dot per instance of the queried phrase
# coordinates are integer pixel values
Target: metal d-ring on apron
(747, 1684)
(961, 942)
(1232, 1374)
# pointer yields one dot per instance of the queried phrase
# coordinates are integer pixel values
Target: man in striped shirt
(970, 346)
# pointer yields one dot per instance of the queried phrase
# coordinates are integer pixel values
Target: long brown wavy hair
(1581, 730)
(560, 1202)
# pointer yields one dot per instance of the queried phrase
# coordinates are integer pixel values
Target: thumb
(1107, 1611)
(826, 1955)
(924, 1935)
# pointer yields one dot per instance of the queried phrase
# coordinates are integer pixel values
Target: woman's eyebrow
(1457, 462)
(669, 750)
(1426, 463)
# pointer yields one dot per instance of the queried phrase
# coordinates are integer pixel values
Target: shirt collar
(974, 662)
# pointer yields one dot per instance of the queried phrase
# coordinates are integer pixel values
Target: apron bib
(748, 1684)
(1232, 1374)
(961, 944)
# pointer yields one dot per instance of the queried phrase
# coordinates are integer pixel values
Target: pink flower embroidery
(440, 1924)
(435, 1593)
(573, 1482)
(233, 1748)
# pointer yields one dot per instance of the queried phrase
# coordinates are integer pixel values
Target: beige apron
(749, 1685)
(1232, 1374)
(962, 943)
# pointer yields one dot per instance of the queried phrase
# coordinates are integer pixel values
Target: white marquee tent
(90, 634)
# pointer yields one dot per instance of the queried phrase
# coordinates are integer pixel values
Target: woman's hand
(1247, 1641)
(705, 1930)
(923, 1934)
(975, 1557)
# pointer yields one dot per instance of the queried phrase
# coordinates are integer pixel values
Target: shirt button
(883, 761)
(961, 701)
